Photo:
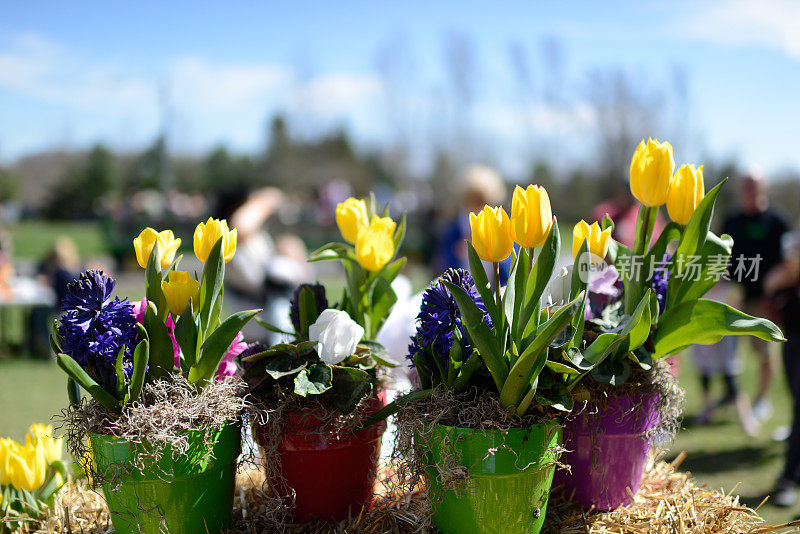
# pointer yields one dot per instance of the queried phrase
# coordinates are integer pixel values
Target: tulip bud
(685, 193)
(206, 236)
(147, 239)
(491, 234)
(651, 171)
(179, 288)
(597, 240)
(531, 216)
(374, 248)
(336, 334)
(352, 219)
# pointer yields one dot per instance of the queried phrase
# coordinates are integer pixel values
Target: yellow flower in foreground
(531, 216)
(651, 171)
(27, 466)
(351, 218)
(167, 244)
(685, 193)
(179, 288)
(597, 240)
(43, 435)
(6, 445)
(206, 236)
(491, 234)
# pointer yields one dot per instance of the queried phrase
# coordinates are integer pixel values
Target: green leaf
(392, 408)
(314, 380)
(533, 357)
(271, 327)
(307, 310)
(141, 356)
(480, 335)
(285, 364)
(76, 373)
(382, 300)
(561, 368)
(580, 270)
(152, 283)
(186, 334)
(162, 352)
(482, 284)
(333, 251)
(472, 364)
(400, 233)
(216, 346)
(612, 371)
(554, 393)
(349, 386)
(211, 286)
(647, 216)
(119, 369)
(713, 259)
(540, 275)
(703, 322)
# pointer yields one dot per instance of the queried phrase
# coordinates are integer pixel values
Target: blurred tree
(83, 186)
(9, 186)
(223, 172)
(145, 171)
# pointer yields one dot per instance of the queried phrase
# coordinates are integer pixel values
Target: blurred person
(58, 268)
(783, 285)
(624, 211)
(757, 231)
(263, 272)
(480, 185)
(721, 359)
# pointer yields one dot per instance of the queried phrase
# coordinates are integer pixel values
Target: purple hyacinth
(94, 327)
(439, 316)
(660, 281)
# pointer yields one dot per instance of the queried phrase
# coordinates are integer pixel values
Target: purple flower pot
(607, 451)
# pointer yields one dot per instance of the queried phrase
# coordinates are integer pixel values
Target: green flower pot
(191, 494)
(506, 491)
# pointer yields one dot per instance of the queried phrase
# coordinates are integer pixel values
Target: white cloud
(210, 102)
(770, 23)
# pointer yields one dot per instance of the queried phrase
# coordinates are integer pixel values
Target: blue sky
(75, 73)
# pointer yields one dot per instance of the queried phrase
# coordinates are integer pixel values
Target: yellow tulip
(597, 240)
(531, 216)
(167, 245)
(492, 235)
(43, 435)
(206, 236)
(179, 288)
(651, 171)
(351, 218)
(6, 446)
(374, 248)
(383, 224)
(685, 193)
(27, 467)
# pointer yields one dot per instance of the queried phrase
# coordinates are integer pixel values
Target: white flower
(336, 335)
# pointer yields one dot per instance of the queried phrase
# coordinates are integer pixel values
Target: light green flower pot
(191, 494)
(507, 490)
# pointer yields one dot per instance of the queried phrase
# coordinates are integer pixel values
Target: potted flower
(30, 476)
(314, 390)
(483, 427)
(632, 396)
(162, 427)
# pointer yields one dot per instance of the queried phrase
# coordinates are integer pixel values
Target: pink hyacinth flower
(138, 311)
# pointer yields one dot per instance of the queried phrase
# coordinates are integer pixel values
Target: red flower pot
(329, 478)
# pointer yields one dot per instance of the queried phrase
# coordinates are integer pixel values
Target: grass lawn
(33, 239)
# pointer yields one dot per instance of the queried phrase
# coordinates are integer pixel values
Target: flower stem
(530, 260)
(496, 266)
